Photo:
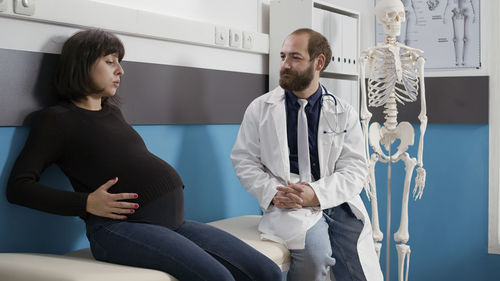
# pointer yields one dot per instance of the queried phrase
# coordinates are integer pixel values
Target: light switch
(235, 38)
(248, 39)
(24, 7)
(221, 35)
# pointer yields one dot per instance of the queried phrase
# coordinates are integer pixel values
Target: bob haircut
(72, 77)
(317, 45)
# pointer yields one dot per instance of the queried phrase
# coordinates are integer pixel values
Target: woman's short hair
(72, 78)
(317, 45)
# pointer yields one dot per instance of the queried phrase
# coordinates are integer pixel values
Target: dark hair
(72, 78)
(317, 45)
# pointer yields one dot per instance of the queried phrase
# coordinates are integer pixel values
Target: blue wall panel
(448, 226)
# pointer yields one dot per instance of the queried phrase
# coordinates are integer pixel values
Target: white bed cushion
(81, 266)
(44, 267)
(245, 228)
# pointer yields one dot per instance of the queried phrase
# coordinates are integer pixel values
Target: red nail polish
(135, 195)
(132, 211)
(115, 178)
(136, 206)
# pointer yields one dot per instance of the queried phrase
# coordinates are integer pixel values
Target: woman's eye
(109, 62)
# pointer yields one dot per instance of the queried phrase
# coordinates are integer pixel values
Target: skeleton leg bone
(403, 253)
(402, 234)
(378, 247)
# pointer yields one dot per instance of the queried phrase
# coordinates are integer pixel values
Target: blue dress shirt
(312, 112)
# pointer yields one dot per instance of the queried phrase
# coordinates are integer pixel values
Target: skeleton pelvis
(381, 135)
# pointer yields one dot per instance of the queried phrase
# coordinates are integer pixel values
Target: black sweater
(92, 147)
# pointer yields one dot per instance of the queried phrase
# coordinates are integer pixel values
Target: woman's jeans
(195, 251)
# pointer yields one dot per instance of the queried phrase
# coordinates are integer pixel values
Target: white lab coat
(261, 161)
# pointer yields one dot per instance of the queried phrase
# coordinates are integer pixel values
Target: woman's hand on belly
(104, 204)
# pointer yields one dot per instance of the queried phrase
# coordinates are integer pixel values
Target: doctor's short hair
(317, 45)
(72, 78)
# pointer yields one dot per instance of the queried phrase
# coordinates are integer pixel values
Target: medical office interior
(193, 66)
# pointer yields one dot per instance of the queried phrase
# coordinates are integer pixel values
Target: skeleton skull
(390, 14)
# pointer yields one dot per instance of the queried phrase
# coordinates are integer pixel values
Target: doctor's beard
(296, 81)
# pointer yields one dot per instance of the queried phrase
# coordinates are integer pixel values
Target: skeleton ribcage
(383, 78)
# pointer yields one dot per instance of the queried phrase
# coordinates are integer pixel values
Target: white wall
(243, 14)
(55, 21)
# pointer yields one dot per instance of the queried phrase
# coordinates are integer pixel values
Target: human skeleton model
(460, 11)
(396, 72)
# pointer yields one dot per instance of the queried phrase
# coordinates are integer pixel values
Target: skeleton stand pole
(388, 228)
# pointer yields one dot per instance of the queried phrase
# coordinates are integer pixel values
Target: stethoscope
(331, 98)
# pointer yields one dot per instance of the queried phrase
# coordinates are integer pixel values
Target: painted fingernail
(115, 178)
(136, 206)
(132, 211)
(135, 195)
(125, 218)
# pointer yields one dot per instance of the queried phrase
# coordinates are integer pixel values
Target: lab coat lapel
(278, 115)
(325, 139)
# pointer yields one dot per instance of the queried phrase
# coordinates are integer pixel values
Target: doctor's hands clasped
(295, 195)
(104, 204)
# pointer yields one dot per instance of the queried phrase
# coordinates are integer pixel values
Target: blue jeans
(314, 261)
(344, 230)
(331, 242)
(194, 251)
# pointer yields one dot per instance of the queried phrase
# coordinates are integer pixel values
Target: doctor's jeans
(314, 261)
(194, 251)
(344, 230)
(331, 242)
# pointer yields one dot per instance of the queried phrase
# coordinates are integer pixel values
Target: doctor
(300, 152)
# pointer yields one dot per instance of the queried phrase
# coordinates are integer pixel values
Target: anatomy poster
(448, 31)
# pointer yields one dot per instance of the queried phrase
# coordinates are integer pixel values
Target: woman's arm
(44, 146)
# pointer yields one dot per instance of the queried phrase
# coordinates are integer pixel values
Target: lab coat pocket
(330, 146)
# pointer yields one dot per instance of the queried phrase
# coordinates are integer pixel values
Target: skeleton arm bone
(377, 234)
(421, 174)
(365, 115)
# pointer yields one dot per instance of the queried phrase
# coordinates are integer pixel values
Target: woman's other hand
(104, 204)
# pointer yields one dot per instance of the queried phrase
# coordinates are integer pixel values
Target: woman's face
(105, 73)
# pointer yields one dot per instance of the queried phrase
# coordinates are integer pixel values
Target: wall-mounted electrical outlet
(248, 39)
(221, 35)
(3, 5)
(24, 7)
(235, 38)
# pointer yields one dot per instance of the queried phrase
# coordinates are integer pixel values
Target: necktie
(303, 143)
